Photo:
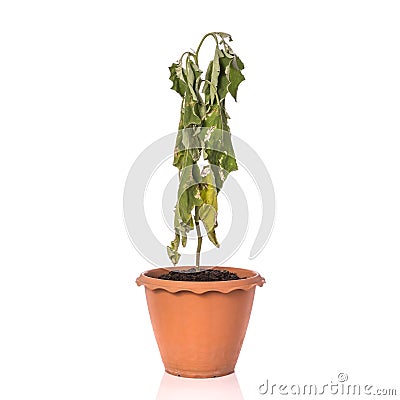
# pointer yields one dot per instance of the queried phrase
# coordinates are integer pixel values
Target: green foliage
(203, 131)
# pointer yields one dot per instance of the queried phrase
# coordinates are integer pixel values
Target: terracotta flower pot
(200, 326)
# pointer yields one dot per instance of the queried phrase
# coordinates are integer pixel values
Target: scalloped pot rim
(150, 281)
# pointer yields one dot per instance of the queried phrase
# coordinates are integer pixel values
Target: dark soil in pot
(204, 275)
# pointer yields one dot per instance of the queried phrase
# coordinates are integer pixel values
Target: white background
(84, 89)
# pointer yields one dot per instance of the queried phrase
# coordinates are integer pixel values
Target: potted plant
(200, 314)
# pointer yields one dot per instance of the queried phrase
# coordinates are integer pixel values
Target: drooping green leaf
(208, 216)
(191, 142)
(196, 173)
(189, 196)
(208, 191)
(175, 242)
(196, 74)
(213, 238)
(218, 149)
(237, 62)
(215, 74)
(177, 78)
(206, 87)
(184, 240)
(235, 77)
(214, 118)
(190, 111)
(209, 209)
(178, 150)
(182, 156)
(201, 107)
(185, 203)
(223, 80)
(191, 81)
(173, 255)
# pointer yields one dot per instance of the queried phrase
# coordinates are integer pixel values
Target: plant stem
(199, 237)
(196, 55)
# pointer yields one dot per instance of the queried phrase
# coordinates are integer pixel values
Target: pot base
(199, 375)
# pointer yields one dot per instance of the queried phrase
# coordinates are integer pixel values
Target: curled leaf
(224, 35)
(173, 255)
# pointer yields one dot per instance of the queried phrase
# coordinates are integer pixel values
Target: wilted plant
(203, 133)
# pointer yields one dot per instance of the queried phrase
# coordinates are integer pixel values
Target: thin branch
(196, 55)
(199, 237)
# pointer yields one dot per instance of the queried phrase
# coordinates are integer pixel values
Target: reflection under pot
(176, 388)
